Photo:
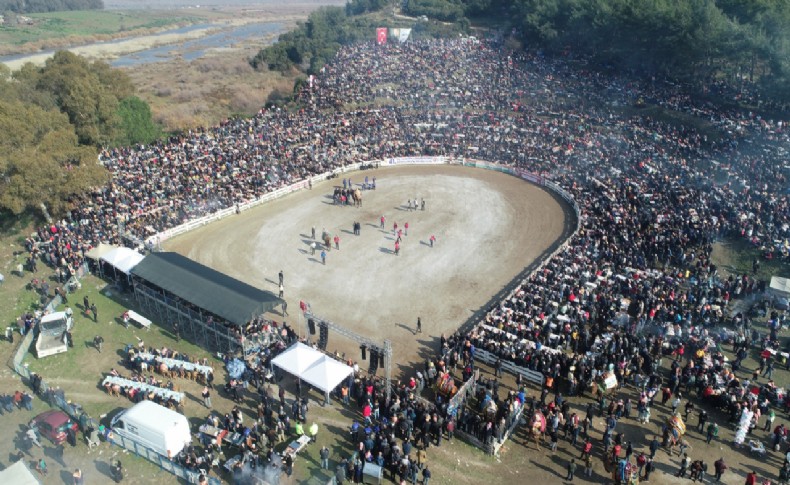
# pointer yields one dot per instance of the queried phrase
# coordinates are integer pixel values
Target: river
(191, 49)
(196, 48)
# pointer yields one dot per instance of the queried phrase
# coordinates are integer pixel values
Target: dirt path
(489, 226)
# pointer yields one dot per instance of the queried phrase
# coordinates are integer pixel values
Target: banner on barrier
(415, 160)
(530, 177)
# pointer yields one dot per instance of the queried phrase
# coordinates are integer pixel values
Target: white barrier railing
(163, 236)
(528, 374)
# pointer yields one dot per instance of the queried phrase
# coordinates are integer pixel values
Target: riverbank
(214, 22)
(198, 75)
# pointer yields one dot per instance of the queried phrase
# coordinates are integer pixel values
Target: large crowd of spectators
(654, 193)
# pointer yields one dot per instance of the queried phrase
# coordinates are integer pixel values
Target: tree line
(315, 42)
(35, 6)
(742, 42)
(739, 41)
(54, 120)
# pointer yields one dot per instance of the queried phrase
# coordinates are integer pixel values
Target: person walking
(289, 464)
(654, 445)
(432, 239)
(718, 467)
(86, 304)
(769, 420)
(381, 225)
(426, 475)
(312, 248)
(588, 464)
(282, 289)
(684, 466)
(280, 274)
(769, 370)
(419, 325)
(312, 232)
(713, 431)
(98, 341)
(33, 437)
(95, 312)
(571, 470)
(323, 257)
(77, 476)
(324, 458)
(397, 248)
(337, 242)
(206, 397)
(751, 478)
(41, 467)
(285, 308)
(406, 229)
(649, 466)
(703, 419)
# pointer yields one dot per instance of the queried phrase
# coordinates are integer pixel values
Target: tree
(137, 124)
(88, 93)
(43, 162)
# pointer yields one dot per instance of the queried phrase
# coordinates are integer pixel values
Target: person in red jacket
(751, 478)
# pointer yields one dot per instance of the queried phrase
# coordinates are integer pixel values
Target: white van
(153, 426)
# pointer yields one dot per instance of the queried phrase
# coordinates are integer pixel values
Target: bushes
(313, 43)
(443, 10)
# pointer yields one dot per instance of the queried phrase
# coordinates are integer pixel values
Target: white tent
(18, 474)
(326, 373)
(123, 259)
(313, 367)
(780, 287)
(100, 250)
(297, 359)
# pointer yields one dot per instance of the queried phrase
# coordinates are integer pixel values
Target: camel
(357, 196)
(536, 428)
(445, 385)
(534, 434)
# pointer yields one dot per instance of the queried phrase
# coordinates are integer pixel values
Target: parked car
(54, 425)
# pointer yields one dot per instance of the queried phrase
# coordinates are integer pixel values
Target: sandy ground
(488, 226)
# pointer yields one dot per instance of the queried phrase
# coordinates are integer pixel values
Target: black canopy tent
(231, 299)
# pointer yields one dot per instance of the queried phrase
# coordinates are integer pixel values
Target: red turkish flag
(381, 35)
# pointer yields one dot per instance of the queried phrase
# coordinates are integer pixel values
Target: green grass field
(87, 24)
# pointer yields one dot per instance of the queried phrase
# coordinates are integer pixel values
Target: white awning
(18, 474)
(123, 259)
(297, 359)
(100, 250)
(312, 366)
(326, 373)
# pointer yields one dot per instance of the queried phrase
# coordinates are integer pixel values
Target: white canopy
(326, 373)
(18, 474)
(297, 359)
(123, 259)
(780, 286)
(100, 250)
(313, 367)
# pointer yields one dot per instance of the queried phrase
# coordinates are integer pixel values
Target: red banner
(381, 35)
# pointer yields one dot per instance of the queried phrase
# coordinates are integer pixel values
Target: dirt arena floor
(489, 226)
